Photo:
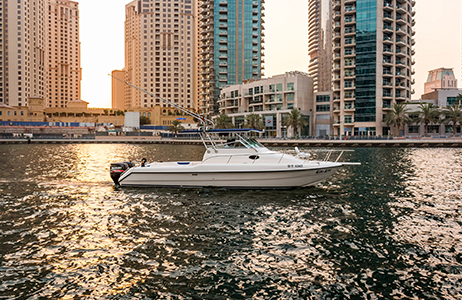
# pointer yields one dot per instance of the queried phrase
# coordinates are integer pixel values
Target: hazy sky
(438, 41)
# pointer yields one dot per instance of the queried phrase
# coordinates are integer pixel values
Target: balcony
(337, 15)
(387, 16)
(400, 20)
(388, 6)
(387, 61)
(349, 122)
(350, 10)
(387, 95)
(400, 9)
(387, 50)
(387, 73)
(387, 27)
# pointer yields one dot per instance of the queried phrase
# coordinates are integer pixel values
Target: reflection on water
(390, 228)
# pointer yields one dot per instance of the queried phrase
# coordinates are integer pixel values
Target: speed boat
(238, 162)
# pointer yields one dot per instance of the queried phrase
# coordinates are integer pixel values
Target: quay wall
(408, 143)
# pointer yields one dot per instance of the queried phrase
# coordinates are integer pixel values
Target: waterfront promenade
(396, 142)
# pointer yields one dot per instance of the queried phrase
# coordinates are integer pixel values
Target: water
(389, 229)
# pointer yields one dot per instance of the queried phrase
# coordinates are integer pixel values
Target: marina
(390, 228)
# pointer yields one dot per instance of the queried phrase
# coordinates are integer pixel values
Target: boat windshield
(240, 142)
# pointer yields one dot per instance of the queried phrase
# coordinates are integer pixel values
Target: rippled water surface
(388, 229)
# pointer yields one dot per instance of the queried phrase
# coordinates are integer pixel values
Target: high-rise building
(23, 67)
(373, 66)
(320, 44)
(230, 46)
(161, 52)
(64, 71)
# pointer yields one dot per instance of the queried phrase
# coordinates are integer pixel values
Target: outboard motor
(118, 168)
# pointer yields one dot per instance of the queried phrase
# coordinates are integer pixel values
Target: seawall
(408, 143)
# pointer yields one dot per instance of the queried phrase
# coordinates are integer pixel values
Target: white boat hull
(249, 176)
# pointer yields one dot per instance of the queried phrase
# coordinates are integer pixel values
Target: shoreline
(404, 143)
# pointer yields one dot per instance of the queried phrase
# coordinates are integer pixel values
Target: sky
(438, 41)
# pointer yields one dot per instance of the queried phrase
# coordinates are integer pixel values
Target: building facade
(64, 71)
(118, 87)
(373, 65)
(441, 78)
(161, 52)
(320, 44)
(230, 46)
(272, 98)
(23, 67)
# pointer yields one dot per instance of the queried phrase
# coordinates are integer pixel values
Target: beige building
(64, 72)
(23, 67)
(118, 89)
(78, 111)
(441, 78)
(373, 63)
(272, 98)
(161, 52)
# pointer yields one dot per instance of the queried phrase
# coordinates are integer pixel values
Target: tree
(254, 121)
(295, 120)
(453, 115)
(224, 121)
(175, 127)
(428, 114)
(398, 116)
(144, 120)
(106, 112)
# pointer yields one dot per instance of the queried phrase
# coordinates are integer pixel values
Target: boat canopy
(231, 130)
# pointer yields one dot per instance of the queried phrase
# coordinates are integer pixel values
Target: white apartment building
(23, 67)
(272, 98)
(161, 52)
(64, 71)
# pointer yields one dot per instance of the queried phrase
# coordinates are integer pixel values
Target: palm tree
(453, 115)
(428, 114)
(295, 120)
(175, 127)
(254, 121)
(398, 116)
(224, 121)
(459, 99)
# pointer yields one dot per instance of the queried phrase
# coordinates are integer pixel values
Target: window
(278, 87)
(413, 129)
(451, 100)
(323, 98)
(290, 86)
(324, 107)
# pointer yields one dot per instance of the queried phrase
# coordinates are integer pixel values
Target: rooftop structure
(441, 78)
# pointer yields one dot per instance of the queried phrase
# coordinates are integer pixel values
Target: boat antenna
(202, 119)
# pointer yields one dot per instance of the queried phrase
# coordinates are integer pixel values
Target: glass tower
(230, 46)
(372, 62)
